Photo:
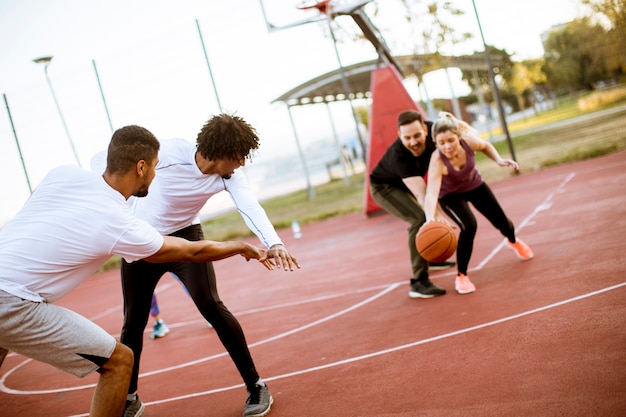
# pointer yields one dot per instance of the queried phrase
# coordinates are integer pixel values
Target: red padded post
(389, 99)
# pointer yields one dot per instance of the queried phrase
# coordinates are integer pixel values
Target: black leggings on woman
(457, 207)
(139, 279)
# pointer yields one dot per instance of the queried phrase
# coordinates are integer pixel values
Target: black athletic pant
(404, 205)
(457, 207)
(139, 279)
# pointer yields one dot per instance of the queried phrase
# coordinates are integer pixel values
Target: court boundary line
(393, 349)
(545, 204)
(7, 390)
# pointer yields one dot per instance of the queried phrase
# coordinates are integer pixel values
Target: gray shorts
(53, 335)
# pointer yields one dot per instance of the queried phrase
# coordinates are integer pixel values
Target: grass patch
(580, 154)
(333, 198)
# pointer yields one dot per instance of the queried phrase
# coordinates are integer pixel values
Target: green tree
(502, 68)
(521, 83)
(615, 12)
(539, 87)
(575, 55)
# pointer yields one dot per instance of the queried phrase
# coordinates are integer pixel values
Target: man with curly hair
(187, 176)
(74, 221)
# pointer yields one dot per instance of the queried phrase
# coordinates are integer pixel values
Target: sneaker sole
(518, 255)
(439, 268)
(264, 413)
(160, 335)
(464, 292)
(413, 294)
(139, 412)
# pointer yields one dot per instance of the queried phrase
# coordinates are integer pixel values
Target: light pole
(46, 61)
(106, 108)
(206, 57)
(17, 142)
(496, 90)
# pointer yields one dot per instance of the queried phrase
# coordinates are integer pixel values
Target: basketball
(436, 241)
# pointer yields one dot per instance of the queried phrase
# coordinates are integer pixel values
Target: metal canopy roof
(329, 87)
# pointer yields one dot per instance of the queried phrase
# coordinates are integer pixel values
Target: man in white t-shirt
(187, 176)
(74, 221)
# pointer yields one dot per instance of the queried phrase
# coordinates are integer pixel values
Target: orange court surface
(341, 337)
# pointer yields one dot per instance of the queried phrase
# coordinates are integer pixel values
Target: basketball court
(341, 337)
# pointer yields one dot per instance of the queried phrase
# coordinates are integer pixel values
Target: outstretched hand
(252, 252)
(282, 258)
(508, 163)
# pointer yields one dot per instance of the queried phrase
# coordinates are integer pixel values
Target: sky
(151, 65)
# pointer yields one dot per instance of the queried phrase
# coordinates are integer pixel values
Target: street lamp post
(17, 142)
(46, 61)
(208, 63)
(496, 90)
(106, 108)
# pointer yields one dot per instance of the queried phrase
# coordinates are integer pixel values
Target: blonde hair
(447, 122)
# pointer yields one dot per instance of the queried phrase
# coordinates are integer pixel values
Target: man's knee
(121, 359)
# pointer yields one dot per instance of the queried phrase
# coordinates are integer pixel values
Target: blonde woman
(454, 182)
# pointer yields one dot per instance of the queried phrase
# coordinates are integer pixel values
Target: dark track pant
(404, 205)
(457, 207)
(139, 279)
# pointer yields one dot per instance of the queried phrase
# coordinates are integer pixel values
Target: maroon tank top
(463, 180)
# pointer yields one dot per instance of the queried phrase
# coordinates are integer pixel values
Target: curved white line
(386, 290)
(544, 205)
(392, 349)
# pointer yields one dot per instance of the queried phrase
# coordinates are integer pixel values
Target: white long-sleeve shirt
(180, 190)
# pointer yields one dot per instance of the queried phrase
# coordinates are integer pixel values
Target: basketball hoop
(321, 5)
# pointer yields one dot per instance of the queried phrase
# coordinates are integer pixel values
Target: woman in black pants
(454, 182)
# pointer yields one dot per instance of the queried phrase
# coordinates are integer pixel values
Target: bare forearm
(207, 251)
(181, 250)
(491, 152)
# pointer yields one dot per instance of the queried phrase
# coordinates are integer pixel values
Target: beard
(142, 192)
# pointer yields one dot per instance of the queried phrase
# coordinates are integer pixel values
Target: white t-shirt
(71, 224)
(180, 190)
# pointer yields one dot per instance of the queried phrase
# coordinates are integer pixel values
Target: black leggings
(139, 279)
(457, 207)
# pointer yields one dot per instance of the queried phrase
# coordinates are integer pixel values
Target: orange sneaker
(463, 285)
(521, 250)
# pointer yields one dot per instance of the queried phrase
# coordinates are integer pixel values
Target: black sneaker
(425, 289)
(259, 402)
(439, 266)
(133, 408)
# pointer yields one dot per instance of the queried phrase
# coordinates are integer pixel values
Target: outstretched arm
(488, 149)
(435, 173)
(257, 221)
(175, 249)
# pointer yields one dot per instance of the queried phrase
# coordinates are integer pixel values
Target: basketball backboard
(284, 14)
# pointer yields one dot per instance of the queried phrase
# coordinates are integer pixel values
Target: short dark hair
(226, 136)
(129, 145)
(409, 116)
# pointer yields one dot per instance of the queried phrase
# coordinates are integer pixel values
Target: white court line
(391, 350)
(360, 304)
(546, 204)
